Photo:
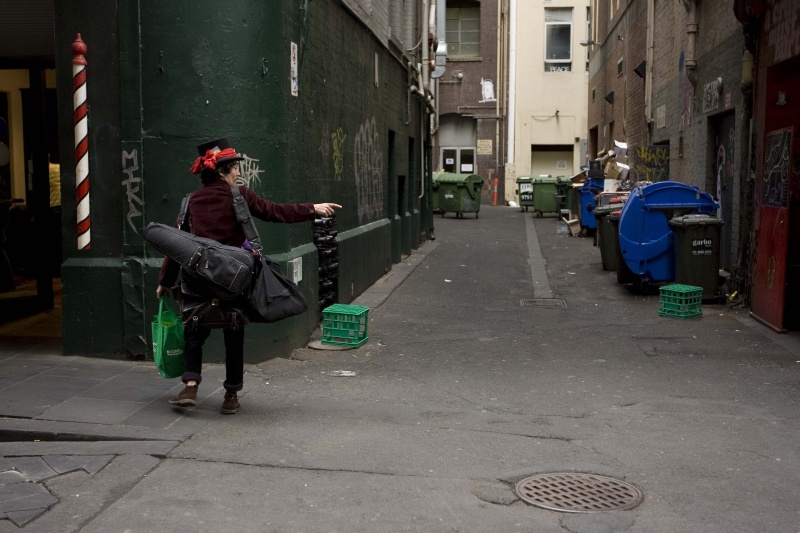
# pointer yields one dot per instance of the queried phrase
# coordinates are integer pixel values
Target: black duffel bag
(273, 296)
(226, 272)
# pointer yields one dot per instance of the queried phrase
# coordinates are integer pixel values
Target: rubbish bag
(168, 343)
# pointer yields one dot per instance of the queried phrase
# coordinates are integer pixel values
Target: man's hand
(326, 209)
(162, 290)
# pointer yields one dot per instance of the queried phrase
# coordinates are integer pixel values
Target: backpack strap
(246, 220)
(183, 214)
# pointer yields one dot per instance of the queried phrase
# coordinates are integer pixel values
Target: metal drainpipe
(512, 79)
(691, 31)
(648, 77)
(423, 30)
(433, 84)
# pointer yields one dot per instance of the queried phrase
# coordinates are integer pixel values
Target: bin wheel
(539, 214)
(526, 208)
(476, 214)
(442, 214)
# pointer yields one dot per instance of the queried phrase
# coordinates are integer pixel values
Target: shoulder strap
(244, 218)
(184, 212)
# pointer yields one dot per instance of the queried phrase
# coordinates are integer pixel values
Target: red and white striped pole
(81, 127)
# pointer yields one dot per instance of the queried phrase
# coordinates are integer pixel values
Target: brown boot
(187, 397)
(231, 404)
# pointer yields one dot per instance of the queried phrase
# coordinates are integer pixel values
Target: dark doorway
(723, 129)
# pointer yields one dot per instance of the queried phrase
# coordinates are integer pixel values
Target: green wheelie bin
(524, 192)
(544, 195)
(435, 194)
(459, 193)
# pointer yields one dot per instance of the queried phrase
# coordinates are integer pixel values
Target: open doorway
(30, 193)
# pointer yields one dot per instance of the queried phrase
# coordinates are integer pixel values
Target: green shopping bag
(168, 343)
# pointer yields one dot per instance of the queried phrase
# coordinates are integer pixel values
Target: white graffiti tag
(368, 162)
(249, 172)
(131, 184)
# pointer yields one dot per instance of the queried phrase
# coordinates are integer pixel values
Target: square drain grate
(552, 303)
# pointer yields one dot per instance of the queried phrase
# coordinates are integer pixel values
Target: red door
(776, 191)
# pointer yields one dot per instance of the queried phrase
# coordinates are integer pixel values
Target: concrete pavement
(499, 351)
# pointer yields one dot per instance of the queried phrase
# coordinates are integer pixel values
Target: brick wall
(687, 119)
(462, 94)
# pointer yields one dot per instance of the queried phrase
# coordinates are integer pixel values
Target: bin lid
(698, 219)
(545, 179)
(602, 210)
(593, 184)
(458, 179)
(523, 179)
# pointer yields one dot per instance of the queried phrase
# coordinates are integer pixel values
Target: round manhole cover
(578, 493)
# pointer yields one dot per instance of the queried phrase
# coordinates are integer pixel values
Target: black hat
(213, 154)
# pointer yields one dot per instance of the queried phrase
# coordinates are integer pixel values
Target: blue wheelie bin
(646, 240)
(591, 188)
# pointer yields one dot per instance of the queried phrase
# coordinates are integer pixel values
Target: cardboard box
(574, 226)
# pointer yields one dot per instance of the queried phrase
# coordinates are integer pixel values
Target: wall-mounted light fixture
(590, 42)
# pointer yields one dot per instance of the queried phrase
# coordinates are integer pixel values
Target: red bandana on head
(209, 160)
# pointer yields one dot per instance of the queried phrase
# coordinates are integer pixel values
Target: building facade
(471, 126)
(319, 100)
(669, 79)
(547, 90)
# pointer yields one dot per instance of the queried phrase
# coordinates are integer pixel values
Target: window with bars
(463, 27)
(558, 39)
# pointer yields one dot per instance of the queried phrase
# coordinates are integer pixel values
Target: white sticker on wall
(293, 70)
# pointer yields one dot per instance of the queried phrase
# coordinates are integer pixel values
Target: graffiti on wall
(780, 23)
(130, 166)
(325, 149)
(776, 167)
(250, 172)
(688, 102)
(711, 95)
(368, 164)
(651, 163)
(338, 137)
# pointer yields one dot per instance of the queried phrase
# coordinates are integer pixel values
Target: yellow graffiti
(652, 163)
(338, 138)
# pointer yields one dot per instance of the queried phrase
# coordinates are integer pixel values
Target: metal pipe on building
(691, 31)
(408, 25)
(648, 76)
(512, 78)
(424, 31)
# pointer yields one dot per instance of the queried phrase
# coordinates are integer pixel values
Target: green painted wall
(162, 79)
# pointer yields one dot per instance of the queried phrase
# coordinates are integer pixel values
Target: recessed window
(463, 27)
(558, 39)
(620, 67)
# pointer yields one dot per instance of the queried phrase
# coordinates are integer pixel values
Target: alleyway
(506, 352)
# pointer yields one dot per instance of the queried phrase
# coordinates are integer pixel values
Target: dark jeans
(234, 356)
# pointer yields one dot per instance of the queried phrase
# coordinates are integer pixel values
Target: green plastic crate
(345, 325)
(680, 301)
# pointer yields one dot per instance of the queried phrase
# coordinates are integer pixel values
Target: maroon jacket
(211, 215)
